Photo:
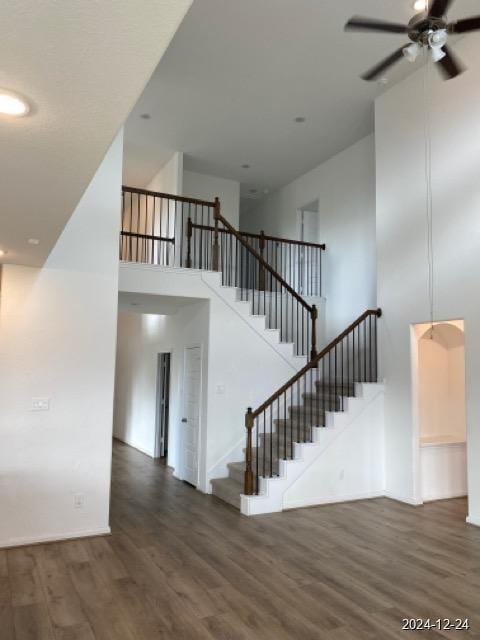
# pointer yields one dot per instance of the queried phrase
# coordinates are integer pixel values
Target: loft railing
(291, 413)
(168, 230)
(298, 263)
(154, 226)
(258, 282)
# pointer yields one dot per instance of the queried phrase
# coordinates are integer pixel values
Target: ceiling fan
(426, 29)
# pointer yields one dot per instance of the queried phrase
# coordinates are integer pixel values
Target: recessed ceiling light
(245, 166)
(34, 241)
(420, 5)
(300, 119)
(12, 105)
(145, 116)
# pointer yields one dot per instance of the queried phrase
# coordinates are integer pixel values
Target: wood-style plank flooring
(181, 565)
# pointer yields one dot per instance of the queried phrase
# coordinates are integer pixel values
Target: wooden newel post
(189, 243)
(314, 314)
(215, 249)
(248, 486)
(261, 270)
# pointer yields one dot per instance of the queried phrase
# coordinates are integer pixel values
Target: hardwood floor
(181, 565)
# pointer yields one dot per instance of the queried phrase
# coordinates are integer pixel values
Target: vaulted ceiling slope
(238, 73)
(83, 65)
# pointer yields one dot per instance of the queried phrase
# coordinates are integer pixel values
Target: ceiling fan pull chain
(428, 185)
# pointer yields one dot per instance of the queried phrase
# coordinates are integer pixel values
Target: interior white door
(191, 413)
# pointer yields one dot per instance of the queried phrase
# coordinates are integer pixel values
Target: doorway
(163, 405)
(440, 399)
(190, 421)
(308, 231)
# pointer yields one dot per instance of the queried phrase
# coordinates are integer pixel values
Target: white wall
(140, 338)
(57, 341)
(205, 187)
(401, 245)
(345, 189)
(244, 369)
(169, 179)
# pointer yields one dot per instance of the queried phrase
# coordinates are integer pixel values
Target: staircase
(279, 445)
(285, 434)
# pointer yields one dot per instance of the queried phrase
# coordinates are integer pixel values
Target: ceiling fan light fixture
(420, 5)
(437, 54)
(411, 52)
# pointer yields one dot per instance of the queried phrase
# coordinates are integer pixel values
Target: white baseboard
(54, 537)
(407, 500)
(475, 520)
(316, 502)
(444, 496)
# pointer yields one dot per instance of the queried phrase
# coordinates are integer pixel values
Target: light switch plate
(78, 500)
(40, 404)
(220, 389)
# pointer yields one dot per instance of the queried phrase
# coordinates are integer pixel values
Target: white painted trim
(54, 537)
(475, 520)
(415, 502)
(445, 496)
(317, 502)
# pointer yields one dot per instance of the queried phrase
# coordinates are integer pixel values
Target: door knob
(184, 420)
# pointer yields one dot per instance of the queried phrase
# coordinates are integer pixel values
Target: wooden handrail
(302, 243)
(168, 196)
(264, 264)
(259, 236)
(313, 362)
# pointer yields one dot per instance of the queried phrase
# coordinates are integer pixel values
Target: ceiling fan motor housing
(422, 26)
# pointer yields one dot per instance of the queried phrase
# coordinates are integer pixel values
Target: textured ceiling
(83, 64)
(236, 75)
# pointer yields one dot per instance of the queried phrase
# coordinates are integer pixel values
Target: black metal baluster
(271, 443)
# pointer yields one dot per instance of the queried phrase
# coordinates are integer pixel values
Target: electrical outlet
(40, 404)
(78, 500)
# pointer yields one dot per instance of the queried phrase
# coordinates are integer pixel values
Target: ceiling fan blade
(466, 25)
(377, 70)
(450, 66)
(357, 23)
(439, 8)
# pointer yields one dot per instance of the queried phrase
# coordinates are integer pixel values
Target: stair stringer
(364, 413)
(257, 322)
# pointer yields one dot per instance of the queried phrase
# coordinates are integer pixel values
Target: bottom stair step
(228, 490)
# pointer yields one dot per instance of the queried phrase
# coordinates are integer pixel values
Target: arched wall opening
(440, 410)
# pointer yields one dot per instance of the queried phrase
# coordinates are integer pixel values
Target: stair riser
(345, 390)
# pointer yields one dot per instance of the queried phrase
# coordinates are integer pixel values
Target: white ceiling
(236, 75)
(83, 64)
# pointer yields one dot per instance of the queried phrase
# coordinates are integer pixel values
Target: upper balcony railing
(169, 230)
(154, 226)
